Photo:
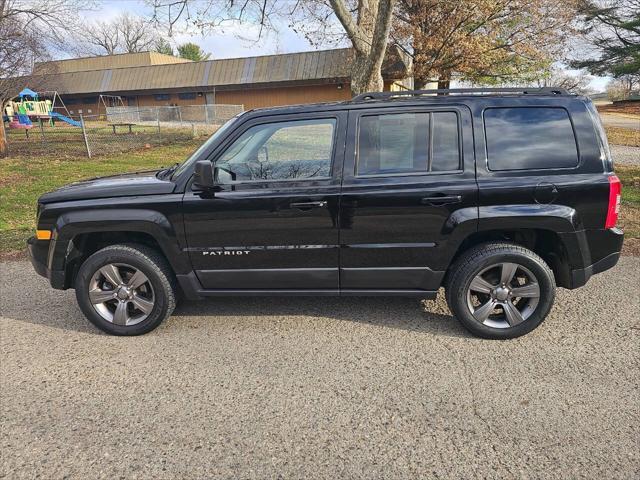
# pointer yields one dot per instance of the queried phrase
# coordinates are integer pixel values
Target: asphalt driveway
(320, 388)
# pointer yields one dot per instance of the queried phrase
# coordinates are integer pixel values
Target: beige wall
(249, 97)
(271, 97)
(150, 100)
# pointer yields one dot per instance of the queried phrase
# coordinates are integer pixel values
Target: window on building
(162, 96)
(280, 151)
(408, 143)
(90, 100)
(70, 101)
(521, 138)
(187, 96)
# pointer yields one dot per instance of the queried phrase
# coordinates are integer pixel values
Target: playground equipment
(29, 106)
(109, 101)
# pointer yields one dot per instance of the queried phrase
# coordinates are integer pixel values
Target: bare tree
(124, 34)
(365, 23)
(578, 83)
(28, 29)
(621, 88)
(174, 15)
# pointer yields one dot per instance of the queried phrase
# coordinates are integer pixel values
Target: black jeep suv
(497, 195)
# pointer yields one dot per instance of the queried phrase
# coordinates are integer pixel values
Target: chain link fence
(122, 129)
(199, 114)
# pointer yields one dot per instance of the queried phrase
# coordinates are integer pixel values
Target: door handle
(441, 200)
(308, 205)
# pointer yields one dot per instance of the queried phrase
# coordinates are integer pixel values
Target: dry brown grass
(629, 107)
(623, 136)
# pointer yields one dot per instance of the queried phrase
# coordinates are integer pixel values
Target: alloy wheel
(503, 295)
(121, 294)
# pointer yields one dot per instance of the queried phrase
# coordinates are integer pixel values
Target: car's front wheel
(500, 290)
(125, 289)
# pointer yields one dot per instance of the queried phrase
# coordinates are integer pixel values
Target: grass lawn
(623, 136)
(630, 208)
(68, 142)
(24, 179)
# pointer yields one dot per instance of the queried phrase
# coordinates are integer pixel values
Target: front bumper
(38, 254)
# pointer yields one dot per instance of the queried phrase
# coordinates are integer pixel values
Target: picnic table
(114, 125)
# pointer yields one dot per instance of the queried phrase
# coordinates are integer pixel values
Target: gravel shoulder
(625, 155)
(319, 388)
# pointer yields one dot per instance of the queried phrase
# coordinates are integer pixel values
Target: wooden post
(84, 135)
(41, 130)
(3, 138)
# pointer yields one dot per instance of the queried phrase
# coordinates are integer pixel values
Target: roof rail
(458, 91)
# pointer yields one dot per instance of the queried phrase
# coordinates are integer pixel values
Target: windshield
(210, 141)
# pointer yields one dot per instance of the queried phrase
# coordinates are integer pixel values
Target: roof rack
(458, 91)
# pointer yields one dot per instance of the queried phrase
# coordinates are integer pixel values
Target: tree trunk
(369, 35)
(365, 77)
(444, 83)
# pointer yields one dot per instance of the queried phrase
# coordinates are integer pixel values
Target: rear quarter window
(528, 138)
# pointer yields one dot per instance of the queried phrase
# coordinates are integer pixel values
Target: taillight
(615, 195)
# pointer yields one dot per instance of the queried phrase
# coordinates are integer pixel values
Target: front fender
(71, 224)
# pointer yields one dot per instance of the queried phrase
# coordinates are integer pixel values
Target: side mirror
(203, 178)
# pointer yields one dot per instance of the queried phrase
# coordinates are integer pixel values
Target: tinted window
(281, 151)
(529, 138)
(408, 143)
(445, 151)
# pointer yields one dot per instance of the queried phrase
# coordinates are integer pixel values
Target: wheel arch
(81, 233)
(548, 244)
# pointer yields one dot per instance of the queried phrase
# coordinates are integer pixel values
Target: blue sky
(225, 42)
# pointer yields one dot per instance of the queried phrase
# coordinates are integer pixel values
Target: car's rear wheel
(500, 290)
(125, 289)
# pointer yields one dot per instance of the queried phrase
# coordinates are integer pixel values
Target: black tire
(152, 264)
(482, 258)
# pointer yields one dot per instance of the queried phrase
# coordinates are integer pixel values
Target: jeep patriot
(497, 195)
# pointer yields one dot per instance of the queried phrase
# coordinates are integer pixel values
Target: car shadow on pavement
(389, 312)
(52, 308)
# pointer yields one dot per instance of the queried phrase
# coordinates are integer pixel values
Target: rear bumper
(581, 276)
(38, 254)
(605, 248)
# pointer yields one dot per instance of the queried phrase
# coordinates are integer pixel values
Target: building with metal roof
(105, 62)
(152, 79)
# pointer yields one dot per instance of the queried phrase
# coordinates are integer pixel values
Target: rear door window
(407, 143)
(522, 138)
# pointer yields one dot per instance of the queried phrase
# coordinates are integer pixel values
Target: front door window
(294, 150)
